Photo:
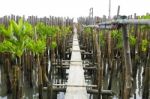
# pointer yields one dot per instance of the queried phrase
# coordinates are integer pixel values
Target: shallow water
(33, 93)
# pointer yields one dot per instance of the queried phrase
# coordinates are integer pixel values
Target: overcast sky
(72, 8)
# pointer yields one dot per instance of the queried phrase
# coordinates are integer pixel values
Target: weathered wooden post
(128, 64)
(40, 82)
(49, 91)
(7, 69)
(100, 68)
(15, 89)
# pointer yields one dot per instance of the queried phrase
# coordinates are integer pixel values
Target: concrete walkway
(76, 82)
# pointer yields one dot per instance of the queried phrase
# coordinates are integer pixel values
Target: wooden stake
(128, 64)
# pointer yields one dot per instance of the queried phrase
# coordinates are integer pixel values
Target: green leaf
(37, 47)
(20, 24)
(117, 35)
(54, 45)
(19, 29)
(41, 29)
(30, 44)
(19, 52)
(15, 26)
(87, 30)
(145, 45)
(102, 39)
(40, 46)
(8, 32)
(6, 46)
(132, 40)
(28, 29)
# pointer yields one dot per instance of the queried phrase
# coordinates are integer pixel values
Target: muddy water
(33, 93)
(137, 85)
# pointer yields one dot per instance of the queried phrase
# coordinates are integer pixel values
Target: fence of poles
(121, 52)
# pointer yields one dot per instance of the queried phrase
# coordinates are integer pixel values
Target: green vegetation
(25, 46)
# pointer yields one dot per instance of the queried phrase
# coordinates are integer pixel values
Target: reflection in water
(137, 84)
(139, 79)
(60, 95)
(117, 83)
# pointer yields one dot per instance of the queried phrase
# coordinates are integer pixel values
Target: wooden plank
(103, 92)
(76, 74)
(72, 60)
(90, 68)
(78, 50)
(90, 91)
(75, 85)
(85, 68)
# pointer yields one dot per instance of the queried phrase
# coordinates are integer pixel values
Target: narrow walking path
(76, 79)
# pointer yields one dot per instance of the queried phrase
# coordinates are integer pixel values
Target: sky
(72, 8)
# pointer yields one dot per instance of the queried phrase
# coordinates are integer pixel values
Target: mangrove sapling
(93, 50)
(85, 37)
(42, 31)
(102, 44)
(49, 33)
(132, 41)
(14, 41)
(15, 44)
(143, 36)
(38, 47)
(5, 51)
(52, 59)
(27, 57)
(11, 45)
(2, 34)
(144, 49)
(64, 32)
(19, 41)
(127, 71)
(59, 52)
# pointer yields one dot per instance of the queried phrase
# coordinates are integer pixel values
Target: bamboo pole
(128, 64)
(40, 82)
(100, 68)
(8, 80)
